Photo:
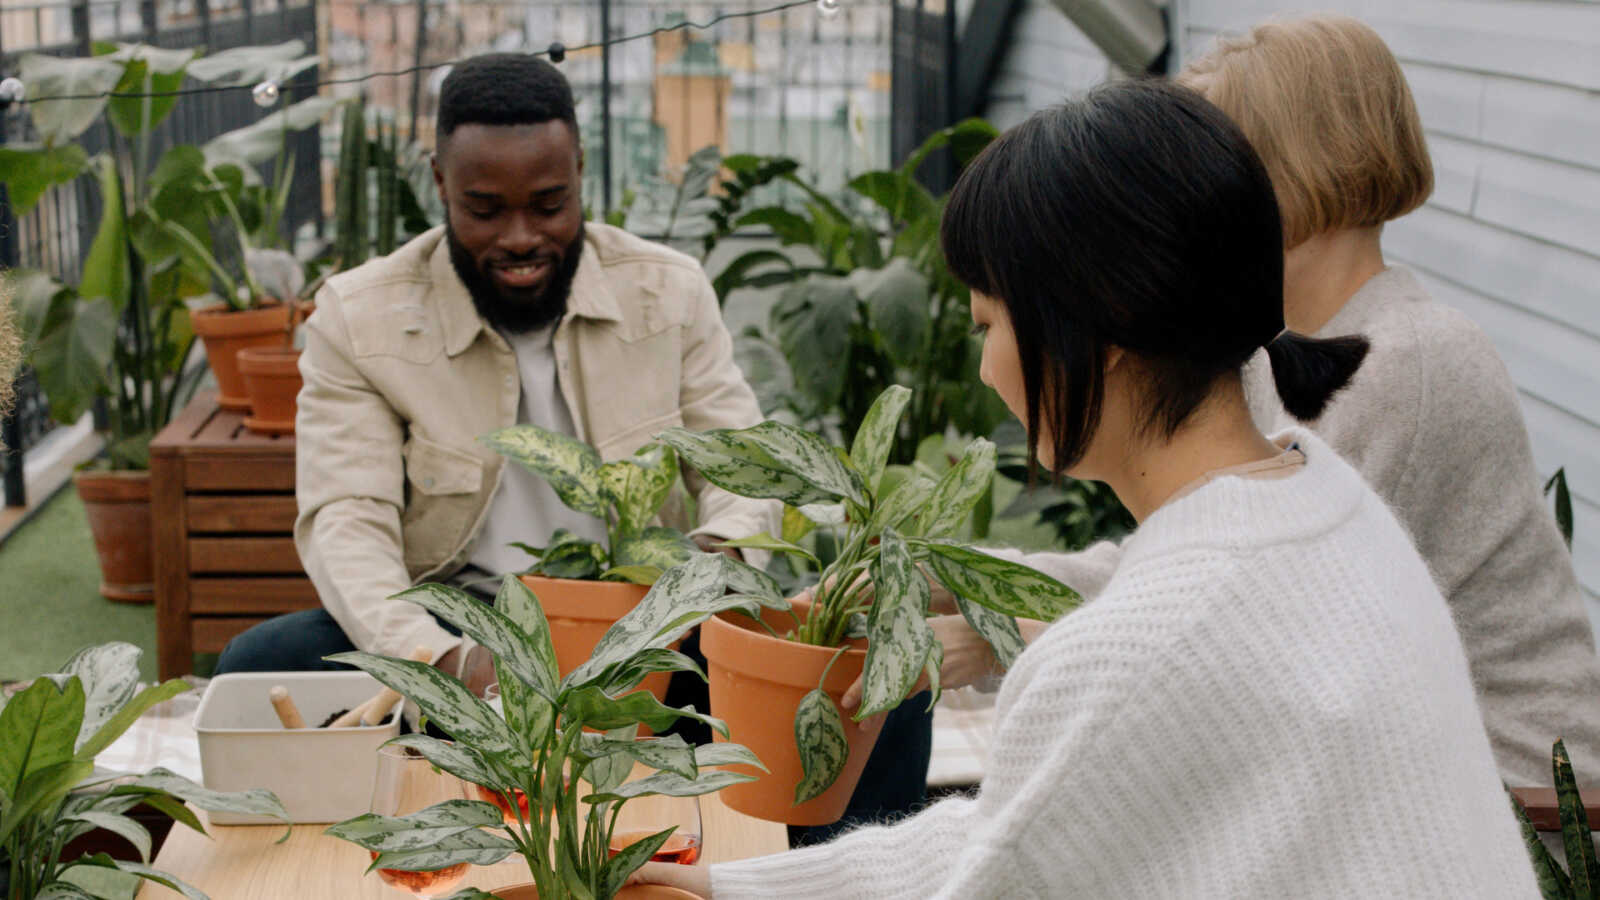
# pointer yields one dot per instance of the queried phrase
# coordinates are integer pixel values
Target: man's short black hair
(504, 89)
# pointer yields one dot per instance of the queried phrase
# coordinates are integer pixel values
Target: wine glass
(408, 782)
(644, 816)
(491, 696)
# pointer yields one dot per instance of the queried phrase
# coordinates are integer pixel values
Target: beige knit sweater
(1431, 421)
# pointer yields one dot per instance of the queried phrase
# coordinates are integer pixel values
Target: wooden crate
(223, 508)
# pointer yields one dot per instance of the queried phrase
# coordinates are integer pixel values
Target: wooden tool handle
(283, 704)
(380, 702)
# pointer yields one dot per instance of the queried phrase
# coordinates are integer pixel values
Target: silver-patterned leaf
(110, 676)
(898, 636)
(256, 801)
(770, 460)
(722, 753)
(420, 829)
(530, 715)
(934, 665)
(570, 466)
(444, 700)
(1003, 586)
(959, 490)
(124, 717)
(904, 501)
(458, 759)
(479, 848)
(828, 514)
(640, 484)
(999, 630)
(764, 541)
(61, 890)
(512, 647)
(640, 575)
(605, 773)
(819, 736)
(870, 449)
(127, 828)
(627, 675)
(619, 867)
(670, 753)
(590, 707)
(669, 785)
(656, 546)
(571, 556)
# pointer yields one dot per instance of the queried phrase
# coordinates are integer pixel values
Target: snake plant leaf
(771, 460)
(670, 753)
(639, 485)
(591, 707)
(656, 546)
(571, 556)
(1006, 587)
(819, 736)
(528, 713)
(1553, 882)
(480, 848)
(422, 828)
(110, 676)
(124, 717)
(512, 646)
(667, 784)
(454, 757)
(764, 541)
(28, 171)
(443, 699)
(628, 859)
(59, 122)
(570, 466)
(959, 490)
(870, 449)
(899, 638)
(1583, 868)
(999, 630)
(104, 861)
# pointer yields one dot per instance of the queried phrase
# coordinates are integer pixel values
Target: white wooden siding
(1509, 91)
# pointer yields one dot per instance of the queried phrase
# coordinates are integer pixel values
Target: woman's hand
(694, 879)
(968, 659)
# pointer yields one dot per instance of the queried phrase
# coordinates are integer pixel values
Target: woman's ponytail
(1308, 371)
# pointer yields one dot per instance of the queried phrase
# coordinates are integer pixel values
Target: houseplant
(583, 584)
(872, 590)
(1581, 878)
(123, 331)
(51, 793)
(537, 755)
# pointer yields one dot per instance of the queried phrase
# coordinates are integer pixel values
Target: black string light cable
(266, 93)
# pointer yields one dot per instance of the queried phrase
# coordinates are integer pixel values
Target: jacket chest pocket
(443, 495)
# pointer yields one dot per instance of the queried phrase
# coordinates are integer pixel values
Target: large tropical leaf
(870, 449)
(38, 300)
(29, 171)
(657, 547)
(898, 300)
(61, 121)
(513, 647)
(1003, 586)
(900, 195)
(959, 491)
(819, 736)
(639, 485)
(526, 712)
(250, 65)
(110, 676)
(146, 70)
(259, 142)
(106, 270)
(444, 700)
(966, 139)
(40, 726)
(812, 320)
(899, 638)
(570, 466)
(39, 790)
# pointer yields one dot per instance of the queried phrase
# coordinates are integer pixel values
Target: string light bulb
(828, 9)
(265, 94)
(11, 91)
(557, 51)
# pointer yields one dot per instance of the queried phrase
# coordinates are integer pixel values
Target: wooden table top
(241, 862)
(204, 426)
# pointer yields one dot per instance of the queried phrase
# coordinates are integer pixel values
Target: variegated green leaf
(40, 725)
(1004, 586)
(764, 541)
(571, 556)
(61, 890)
(472, 893)
(670, 753)
(795, 524)
(570, 466)
(512, 647)
(669, 785)
(619, 867)
(770, 460)
(819, 736)
(655, 546)
(640, 484)
(828, 514)
(959, 490)
(935, 664)
(124, 718)
(591, 707)
(143, 871)
(420, 829)
(999, 630)
(480, 848)
(899, 638)
(870, 449)
(528, 714)
(110, 676)
(256, 801)
(641, 575)
(454, 757)
(627, 675)
(121, 825)
(444, 700)
(605, 773)
(722, 753)
(39, 790)
(908, 498)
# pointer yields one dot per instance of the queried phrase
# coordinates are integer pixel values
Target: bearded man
(515, 311)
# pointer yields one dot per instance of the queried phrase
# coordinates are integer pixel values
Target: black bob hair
(504, 89)
(1137, 217)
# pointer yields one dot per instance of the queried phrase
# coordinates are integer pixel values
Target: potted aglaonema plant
(560, 754)
(51, 793)
(585, 585)
(777, 679)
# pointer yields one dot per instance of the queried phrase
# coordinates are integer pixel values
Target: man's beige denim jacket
(402, 376)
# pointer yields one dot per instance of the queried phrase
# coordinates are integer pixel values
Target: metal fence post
(16, 492)
(605, 105)
(416, 61)
(80, 28)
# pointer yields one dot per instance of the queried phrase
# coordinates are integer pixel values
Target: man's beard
(523, 311)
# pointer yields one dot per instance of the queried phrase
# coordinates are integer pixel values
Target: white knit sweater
(1267, 700)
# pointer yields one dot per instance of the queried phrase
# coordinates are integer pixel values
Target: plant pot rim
(280, 362)
(223, 321)
(526, 891)
(113, 485)
(582, 598)
(782, 660)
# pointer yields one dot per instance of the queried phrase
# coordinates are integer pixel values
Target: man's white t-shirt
(524, 507)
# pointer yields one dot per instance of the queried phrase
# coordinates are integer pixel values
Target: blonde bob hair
(1328, 110)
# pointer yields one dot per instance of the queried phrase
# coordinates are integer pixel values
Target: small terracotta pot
(226, 332)
(631, 892)
(272, 382)
(579, 613)
(118, 508)
(757, 683)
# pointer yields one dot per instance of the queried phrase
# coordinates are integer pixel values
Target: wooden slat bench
(223, 506)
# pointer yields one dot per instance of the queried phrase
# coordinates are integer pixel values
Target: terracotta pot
(272, 382)
(757, 683)
(579, 613)
(226, 332)
(118, 507)
(631, 892)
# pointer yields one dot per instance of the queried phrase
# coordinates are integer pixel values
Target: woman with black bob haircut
(1270, 665)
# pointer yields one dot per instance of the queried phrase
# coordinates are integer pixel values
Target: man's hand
(968, 659)
(694, 879)
(479, 672)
